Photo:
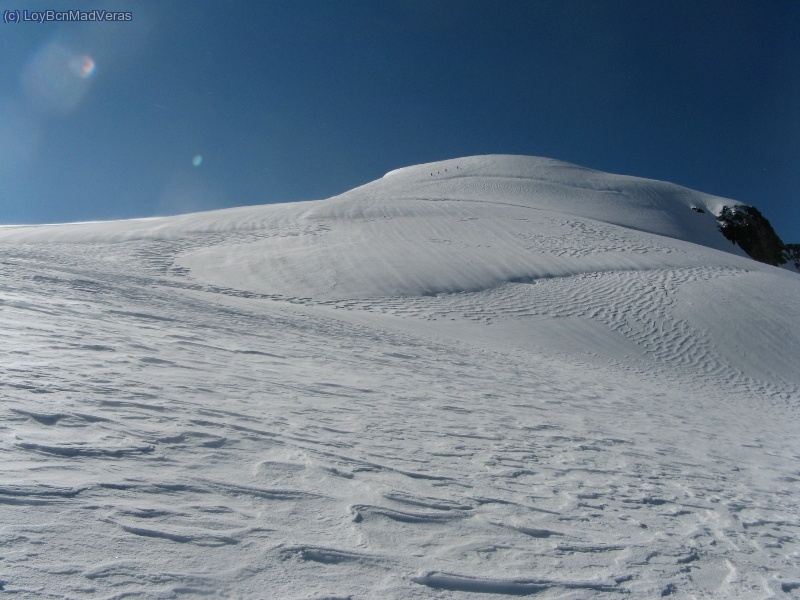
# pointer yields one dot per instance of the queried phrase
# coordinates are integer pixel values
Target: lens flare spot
(54, 80)
(83, 66)
(197, 160)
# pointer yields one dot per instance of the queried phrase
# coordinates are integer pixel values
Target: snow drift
(500, 375)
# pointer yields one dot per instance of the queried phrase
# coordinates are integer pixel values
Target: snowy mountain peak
(642, 204)
(493, 375)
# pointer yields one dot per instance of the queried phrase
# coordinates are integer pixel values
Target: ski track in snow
(163, 436)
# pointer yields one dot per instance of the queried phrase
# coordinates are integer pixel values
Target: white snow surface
(483, 377)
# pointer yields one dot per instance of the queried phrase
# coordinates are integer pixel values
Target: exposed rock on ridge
(746, 227)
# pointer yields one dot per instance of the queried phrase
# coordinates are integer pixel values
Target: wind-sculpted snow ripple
(581, 428)
(639, 305)
(519, 586)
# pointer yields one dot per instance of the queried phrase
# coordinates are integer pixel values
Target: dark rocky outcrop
(791, 253)
(746, 227)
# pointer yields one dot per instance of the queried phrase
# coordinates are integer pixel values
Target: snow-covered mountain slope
(493, 375)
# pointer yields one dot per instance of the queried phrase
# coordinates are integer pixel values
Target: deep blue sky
(305, 99)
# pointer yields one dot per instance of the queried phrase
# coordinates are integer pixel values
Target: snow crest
(492, 375)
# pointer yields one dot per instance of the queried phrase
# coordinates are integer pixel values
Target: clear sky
(198, 104)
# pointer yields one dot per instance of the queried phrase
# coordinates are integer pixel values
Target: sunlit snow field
(482, 377)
